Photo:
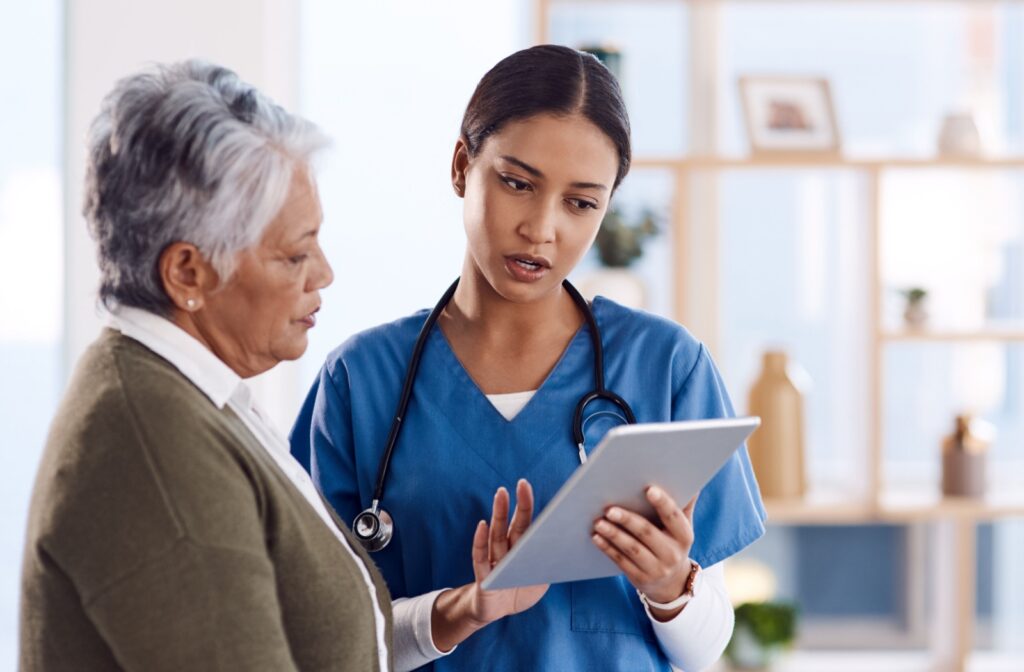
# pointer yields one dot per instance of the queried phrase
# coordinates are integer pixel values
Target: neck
(478, 309)
(188, 323)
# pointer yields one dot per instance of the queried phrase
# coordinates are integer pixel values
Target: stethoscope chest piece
(374, 528)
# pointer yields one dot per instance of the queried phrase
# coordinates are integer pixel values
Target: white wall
(389, 81)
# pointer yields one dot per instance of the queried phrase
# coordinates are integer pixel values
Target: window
(31, 220)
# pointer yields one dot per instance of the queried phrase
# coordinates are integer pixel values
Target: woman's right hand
(491, 545)
(460, 612)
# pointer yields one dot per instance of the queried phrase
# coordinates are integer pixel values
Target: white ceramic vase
(618, 284)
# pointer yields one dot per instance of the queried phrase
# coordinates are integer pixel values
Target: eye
(582, 204)
(297, 259)
(515, 184)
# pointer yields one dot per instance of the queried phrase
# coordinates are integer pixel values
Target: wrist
(669, 592)
(667, 609)
(453, 618)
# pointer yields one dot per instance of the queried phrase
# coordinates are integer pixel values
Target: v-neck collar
(454, 398)
(456, 368)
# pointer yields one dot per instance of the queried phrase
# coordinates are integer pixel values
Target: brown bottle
(964, 456)
(777, 447)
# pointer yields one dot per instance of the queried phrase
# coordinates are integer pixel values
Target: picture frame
(789, 115)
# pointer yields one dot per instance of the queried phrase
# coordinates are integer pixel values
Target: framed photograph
(789, 115)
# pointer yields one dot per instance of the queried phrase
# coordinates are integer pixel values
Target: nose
(540, 224)
(321, 275)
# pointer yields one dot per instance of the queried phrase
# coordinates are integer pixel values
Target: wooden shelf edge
(782, 161)
(890, 510)
(943, 336)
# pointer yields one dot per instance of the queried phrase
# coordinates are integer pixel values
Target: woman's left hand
(656, 561)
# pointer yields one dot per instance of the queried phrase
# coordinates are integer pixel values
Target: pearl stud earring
(191, 303)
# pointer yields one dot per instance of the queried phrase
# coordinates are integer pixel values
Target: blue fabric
(456, 449)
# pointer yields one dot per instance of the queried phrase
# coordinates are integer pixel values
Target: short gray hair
(185, 152)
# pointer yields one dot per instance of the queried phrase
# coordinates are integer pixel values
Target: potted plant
(763, 631)
(915, 313)
(619, 243)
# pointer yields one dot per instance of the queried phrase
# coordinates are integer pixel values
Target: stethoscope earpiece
(374, 528)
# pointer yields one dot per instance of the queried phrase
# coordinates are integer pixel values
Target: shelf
(893, 507)
(848, 661)
(801, 161)
(1005, 334)
(925, 506)
(819, 510)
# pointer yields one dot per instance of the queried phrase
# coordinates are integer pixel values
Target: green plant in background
(915, 312)
(914, 295)
(620, 242)
(762, 631)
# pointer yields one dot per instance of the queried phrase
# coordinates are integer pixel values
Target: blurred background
(829, 193)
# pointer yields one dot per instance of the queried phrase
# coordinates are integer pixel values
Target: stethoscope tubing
(378, 524)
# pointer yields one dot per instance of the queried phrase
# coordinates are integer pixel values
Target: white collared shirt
(414, 645)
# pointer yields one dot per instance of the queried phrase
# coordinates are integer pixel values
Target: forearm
(452, 619)
(698, 634)
(414, 644)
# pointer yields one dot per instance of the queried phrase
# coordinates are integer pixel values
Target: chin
(521, 292)
(293, 349)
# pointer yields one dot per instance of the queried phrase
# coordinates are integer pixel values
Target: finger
(690, 506)
(665, 548)
(523, 513)
(499, 527)
(675, 521)
(629, 546)
(633, 573)
(481, 563)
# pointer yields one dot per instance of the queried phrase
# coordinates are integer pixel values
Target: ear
(187, 277)
(460, 163)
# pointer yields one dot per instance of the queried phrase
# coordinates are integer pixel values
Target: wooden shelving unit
(987, 335)
(810, 161)
(894, 508)
(954, 522)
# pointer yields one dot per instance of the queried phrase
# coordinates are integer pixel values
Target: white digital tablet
(680, 457)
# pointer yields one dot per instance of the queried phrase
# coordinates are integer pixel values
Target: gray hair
(185, 152)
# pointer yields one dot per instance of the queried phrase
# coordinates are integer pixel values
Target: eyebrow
(537, 173)
(308, 234)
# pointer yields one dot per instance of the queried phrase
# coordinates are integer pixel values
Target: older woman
(170, 529)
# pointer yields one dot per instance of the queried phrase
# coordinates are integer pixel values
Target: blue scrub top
(456, 449)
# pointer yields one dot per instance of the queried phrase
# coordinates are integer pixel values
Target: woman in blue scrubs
(544, 144)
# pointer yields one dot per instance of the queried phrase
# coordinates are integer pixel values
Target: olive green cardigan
(162, 536)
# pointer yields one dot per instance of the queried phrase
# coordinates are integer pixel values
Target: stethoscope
(374, 526)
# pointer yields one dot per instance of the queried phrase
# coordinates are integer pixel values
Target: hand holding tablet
(680, 457)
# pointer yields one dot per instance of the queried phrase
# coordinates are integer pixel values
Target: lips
(530, 261)
(526, 267)
(310, 320)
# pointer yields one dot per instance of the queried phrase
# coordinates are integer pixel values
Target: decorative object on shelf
(915, 313)
(608, 54)
(763, 631)
(618, 244)
(777, 447)
(964, 457)
(959, 137)
(789, 115)
(750, 580)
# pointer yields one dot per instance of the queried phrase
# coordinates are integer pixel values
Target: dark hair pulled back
(548, 79)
